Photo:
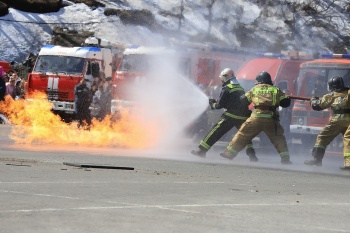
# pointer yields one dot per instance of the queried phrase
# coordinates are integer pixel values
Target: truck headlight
(300, 121)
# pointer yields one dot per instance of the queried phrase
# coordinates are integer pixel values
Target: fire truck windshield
(247, 84)
(134, 62)
(314, 81)
(145, 63)
(59, 64)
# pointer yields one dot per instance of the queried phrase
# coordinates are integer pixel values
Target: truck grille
(320, 114)
(299, 113)
(52, 95)
(314, 114)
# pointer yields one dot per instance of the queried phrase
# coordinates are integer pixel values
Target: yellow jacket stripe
(235, 116)
(270, 90)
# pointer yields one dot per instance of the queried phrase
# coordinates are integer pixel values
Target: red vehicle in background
(58, 69)
(6, 65)
(199, 64)
(284, 69)
(312, 82)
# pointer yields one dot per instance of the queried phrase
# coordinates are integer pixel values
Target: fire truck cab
(284, 69)
(200, 65)
(59, 69)
(138, 62)
(313, 82)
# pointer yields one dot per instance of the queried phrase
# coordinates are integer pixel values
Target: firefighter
(338, 101)
(83, 99)
(346, 141)
(266, 98)
(234, 116)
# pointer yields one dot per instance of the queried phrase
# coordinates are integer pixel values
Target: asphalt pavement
(51, 188)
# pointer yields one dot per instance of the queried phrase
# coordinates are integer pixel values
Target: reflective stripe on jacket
(339, 103)
(230, 100)
(266, 99)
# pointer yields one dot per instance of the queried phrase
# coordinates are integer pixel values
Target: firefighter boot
(228, 154)
(346, 163)
(286, 160)
(251, 153)
(199, 152)
(317, 153)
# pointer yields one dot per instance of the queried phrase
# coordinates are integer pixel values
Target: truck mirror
(295, 85)
(127, 66)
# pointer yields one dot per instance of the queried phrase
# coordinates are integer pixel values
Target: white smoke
(168, 97)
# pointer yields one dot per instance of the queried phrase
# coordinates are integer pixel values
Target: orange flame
(34, 123)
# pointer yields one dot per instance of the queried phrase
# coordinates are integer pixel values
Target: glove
(315, 98)
(212, 103)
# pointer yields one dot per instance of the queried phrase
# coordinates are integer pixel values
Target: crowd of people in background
(93, 101)
(11, 84)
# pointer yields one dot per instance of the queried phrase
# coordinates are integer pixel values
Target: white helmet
(226, 74)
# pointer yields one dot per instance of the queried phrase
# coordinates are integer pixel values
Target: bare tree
(322, 19)
(181, 16)
(210, 15)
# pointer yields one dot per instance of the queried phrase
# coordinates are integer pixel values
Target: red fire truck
(312, 81)
(6, 65)
(283, 68)
(58, 69)
(202, 65)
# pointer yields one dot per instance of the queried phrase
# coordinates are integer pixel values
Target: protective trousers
(220, 129)
(329, 132)
(346, 141)
(252, 127)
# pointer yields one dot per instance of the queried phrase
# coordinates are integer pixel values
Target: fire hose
(299, 97)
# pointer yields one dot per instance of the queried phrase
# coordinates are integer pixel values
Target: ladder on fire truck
(207, 46)
(94, 41)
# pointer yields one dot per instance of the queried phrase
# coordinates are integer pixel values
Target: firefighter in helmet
(266, 98)
(338, 100)
(82, 100)
(234, 116)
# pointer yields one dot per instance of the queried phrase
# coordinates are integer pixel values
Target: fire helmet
(264, 77)
(226, 74)
(336, 84)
